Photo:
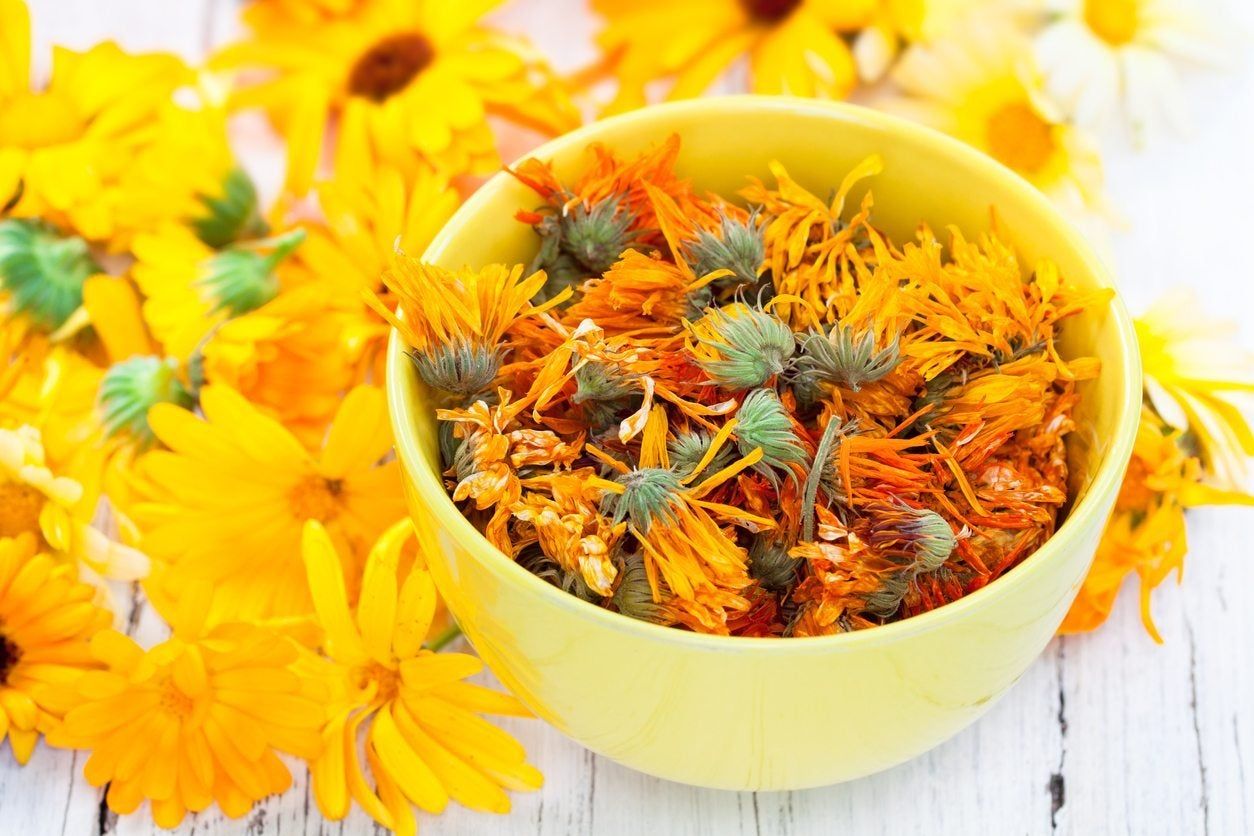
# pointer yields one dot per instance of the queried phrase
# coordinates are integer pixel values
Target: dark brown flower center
(769, 11)
(388, 66)
(10, 653)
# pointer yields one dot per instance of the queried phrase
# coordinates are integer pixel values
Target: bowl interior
(927, 178)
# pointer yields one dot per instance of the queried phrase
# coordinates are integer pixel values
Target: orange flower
(288, 357)
(678, 530)
(1146, 532)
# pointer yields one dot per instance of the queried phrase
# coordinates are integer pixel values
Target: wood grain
(1106, 733)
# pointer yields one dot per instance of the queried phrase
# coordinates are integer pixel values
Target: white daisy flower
(1108, 62)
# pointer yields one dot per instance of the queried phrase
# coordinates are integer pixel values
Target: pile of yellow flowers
(189, 392)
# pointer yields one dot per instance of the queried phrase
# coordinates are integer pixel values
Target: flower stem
(439, 642)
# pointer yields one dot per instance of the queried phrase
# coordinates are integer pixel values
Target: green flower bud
(687, 449)
(233, 215)
(241, 278)
(762, 422)
(843, 358)
(601, 382)
(737, 246)
(634, 596)
(43, 271)
(596, 236)
(919, 536)
(652, 494)
(132, 387)
(741, 347)
(771, 565)
(461, 368)
(885, 601)
(931, 537)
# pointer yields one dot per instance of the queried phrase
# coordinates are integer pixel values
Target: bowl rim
(1106, 481)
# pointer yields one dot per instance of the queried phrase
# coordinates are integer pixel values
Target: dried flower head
(740, 346)
(461, 368)
(763, 424)
(596, 235)
(737, 246)
(771, 565)
(842, 357)
(454, 321)
(649, 495)
(689, 449)
(633, 596)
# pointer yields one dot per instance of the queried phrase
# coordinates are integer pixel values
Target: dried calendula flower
(740, 346)
(880, 431)
(737, 246)
(842, 357)
(763, 424)
(454, 321)
(771, 565)
(689, 449)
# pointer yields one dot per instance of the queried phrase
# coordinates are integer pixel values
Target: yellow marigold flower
(793, 46)
(454, 321)
(229, 498)
(189, 288)
(53, 387)
(288, 357)
(976, 85)
(65, 149)
(370, 211)
(1199, 380)
(1146, 532)
(46, 619)
(423, 76)
(311, 10)
(423, 740)
(215, 196)
(55, 509)
(196, 719)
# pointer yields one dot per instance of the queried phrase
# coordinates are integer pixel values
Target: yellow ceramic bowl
(743, 713)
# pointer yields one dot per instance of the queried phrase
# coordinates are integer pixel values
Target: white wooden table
(1106, 733)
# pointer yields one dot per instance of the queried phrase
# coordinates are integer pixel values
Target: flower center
(174, 701)
(1114, 21)
(19, 509)
(39, 120)
(387, 681)
(1019, 138)
(769, 11)
(388, 66)
(10, 654)
(316, 498)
